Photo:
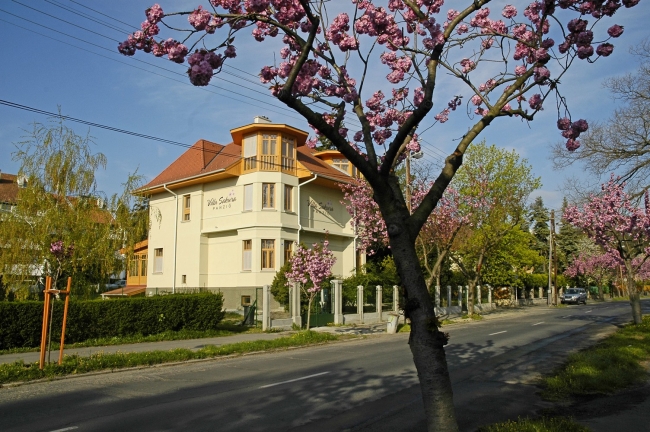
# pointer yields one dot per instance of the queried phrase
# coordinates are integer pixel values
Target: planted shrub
(20, 322)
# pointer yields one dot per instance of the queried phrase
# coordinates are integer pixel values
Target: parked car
(574, 295)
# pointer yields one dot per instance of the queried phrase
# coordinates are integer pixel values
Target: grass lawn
(555, 424)
(611, 365)
(20, 371)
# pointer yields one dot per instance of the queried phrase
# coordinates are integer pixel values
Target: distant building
(227, 217)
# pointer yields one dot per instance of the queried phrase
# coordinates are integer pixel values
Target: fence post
(489, 295)
(296, 319)
(541, 293)
(395, 298)
(338, 301)
(467, 296)
(478, 294)
(266, 305)
(448, 295)
(460, 296)
(379, 301)
(437, 296)
(360, 303)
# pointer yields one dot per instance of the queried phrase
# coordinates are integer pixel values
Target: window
(134, 266)
(184, 279)
(268, 254)
(288, 150)
(268, 157)
(143, 265)
(247, 255)
(288, 196)
(288, 250)
(250, 152)
(248, 197)
(186, 207)
(158, 260)
(268, 195)
(342, 164)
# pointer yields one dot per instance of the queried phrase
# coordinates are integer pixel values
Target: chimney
(261, 119)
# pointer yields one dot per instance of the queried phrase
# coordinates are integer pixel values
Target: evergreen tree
(569, 241)
(539, 223)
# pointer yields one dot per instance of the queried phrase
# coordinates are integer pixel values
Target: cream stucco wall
(209, 250)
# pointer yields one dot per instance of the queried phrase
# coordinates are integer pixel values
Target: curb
(167, 364)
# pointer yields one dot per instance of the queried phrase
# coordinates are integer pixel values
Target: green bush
(20, 322)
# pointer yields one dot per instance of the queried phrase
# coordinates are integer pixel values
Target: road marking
(492, 334)
(538, 323)
(289, 381)
(66, 429)
(589, 311)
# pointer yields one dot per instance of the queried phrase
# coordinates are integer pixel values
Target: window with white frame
(268, 254)
(158, 260)
(247, 255)
(288, 198)
(268, 195)
(248, 197)
(186, 208)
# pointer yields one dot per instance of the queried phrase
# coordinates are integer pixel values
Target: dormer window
(342, 164)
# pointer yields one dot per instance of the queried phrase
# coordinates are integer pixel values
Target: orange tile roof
(308, 159)
(202, 158)
(125, 291)
(8, 188)
(206, 157)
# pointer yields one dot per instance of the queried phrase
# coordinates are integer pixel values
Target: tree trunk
(426, 340)
(471, 286)
(311, 299)
(635, 301)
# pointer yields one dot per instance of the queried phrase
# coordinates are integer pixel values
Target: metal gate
(322, 309)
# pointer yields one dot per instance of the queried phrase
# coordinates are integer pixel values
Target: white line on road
(538, 323)
(589, 311)
(66, 429)
(492, 334)
(293, 380)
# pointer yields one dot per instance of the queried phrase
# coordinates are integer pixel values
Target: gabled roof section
(8, 188)
(203, 157)
(307, 158)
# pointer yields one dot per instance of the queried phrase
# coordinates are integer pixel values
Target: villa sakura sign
(223, 202)
(320, 206)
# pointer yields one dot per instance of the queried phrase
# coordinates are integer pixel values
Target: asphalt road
(367, 384)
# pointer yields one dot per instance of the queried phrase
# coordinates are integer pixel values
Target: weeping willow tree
(61, 224)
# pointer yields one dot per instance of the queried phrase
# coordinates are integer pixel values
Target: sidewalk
(196, 344)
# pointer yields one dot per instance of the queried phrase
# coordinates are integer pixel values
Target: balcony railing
(270, 163)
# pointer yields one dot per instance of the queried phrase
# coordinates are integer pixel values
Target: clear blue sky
(48, 62)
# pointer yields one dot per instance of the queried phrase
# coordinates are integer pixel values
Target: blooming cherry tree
(597, 267)
(620, 228)
(311, 265)
(505, 62)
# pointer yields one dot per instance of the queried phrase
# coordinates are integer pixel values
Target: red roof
(206, 157)
(203, 157)
(8, 188)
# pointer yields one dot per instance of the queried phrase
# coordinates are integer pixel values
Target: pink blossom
(467, 65)
(535, 102)
(564, 123)
(605, 49)
(509, 11)
(199, 18)
(572, 145)
(520, 70)
(154, 14)
(615, 31)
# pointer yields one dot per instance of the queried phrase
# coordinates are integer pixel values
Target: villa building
(227, 217)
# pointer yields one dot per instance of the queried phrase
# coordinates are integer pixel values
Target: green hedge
(20, 322)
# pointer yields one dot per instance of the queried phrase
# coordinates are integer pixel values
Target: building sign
(223, 202)
(323, 207)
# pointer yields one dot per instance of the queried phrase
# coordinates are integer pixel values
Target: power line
(144, 136)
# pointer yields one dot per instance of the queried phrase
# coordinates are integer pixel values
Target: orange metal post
(46, 315)
(65, 316)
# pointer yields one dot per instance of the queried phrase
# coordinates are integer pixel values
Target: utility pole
(549, 292)
(554, 255)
